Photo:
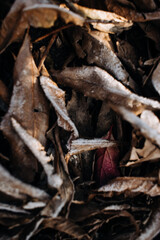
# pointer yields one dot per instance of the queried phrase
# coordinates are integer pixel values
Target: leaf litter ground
(80, 129)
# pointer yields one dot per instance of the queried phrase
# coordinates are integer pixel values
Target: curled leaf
(9, 184)
(57, 98)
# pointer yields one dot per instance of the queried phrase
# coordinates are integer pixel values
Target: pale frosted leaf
(111, 22)
(12, 208)
(131, 185)
(156, 78)
(97, 83)
(34, 205)
(82, 145)
(97, 53)
(17, 189)
(138, 123)
(57, 98)
(31, 108)
(54, 180)
(148, 153)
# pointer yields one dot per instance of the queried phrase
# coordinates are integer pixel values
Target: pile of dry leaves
(80, 129)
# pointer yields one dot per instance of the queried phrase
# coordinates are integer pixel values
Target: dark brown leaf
(30, 107)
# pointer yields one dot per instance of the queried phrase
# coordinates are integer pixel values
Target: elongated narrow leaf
(111, 22)
(65, 226)
(97, 83)
(54, 181)
(31, 108)
(57, 98)
(15, 188)
(138, 123)
(130, 186)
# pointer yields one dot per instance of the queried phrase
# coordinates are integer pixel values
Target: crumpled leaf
(145, 5)
(9, 184)
(97, 83)
(108, 22)
(156, 78)
(54, 180)
(151, 229)
(36, 13)
(4, 93)
(64, 225)
(30, 107)
(106, 160)
(131, 186)
(12, 208)
(148, 153)
(98, 53)
(130, 13)
(57, 98)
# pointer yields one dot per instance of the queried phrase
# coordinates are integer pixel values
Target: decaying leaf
(36, 13)
(130, 13)
(131, 186)
(30, 107)
(15, 188)
(54, 181)
(65, 226)
(108, 22)
(97, 83)
(4, 94)
(57, 98)
(148, 153)
(97, 53)
(151, 229)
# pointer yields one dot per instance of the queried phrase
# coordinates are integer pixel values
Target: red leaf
(106, 162)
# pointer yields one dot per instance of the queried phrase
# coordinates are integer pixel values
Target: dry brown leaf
(64, 225)
(131, 186)
(15, 188)
(145, 5)
(98, 53)
(54, 180)
(45, 15)
(36, 13)
(138, 123)
(152, 229)
(110, 22)
(156, 78)
(97, 83)
(4, 93)
(30, 107)
(130, 13)
(57, 97)
(148, 153)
